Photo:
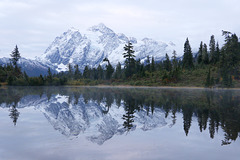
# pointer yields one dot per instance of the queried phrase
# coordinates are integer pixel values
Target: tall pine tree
(130, 61)
(174, 60)
(200, 53)
(167, 63)
(217, 53)
(15, 56)
(109, 69)
(86, 72)
(230, 58)
(212, 50)
(77, 73)
(205, 54)
(187, 56)
(70, 71)
(118, 72)
(231, 49)
(147, 62)
(153, 65)
(99, 72)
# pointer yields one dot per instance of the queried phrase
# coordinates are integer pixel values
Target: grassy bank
(187, 78)
(196, 77)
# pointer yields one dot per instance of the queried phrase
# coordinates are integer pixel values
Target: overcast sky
(33, 24)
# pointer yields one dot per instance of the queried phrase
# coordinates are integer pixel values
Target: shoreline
(156, 87)
(129, 86)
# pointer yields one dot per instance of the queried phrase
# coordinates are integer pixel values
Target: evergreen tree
(77, 73)
(205, 54)
(217, 53)
(41, 80)
(167, 63)
(174, 60)
(148, 64)
(187, 118)
(14, 114)
(109, 69)
(86, 73)
(128, 117)
(200, 53)
(187, 56)
(100, 72)
(138, 67)
(26, 78)
(49, 76)
(230, 57)
(230, 49)
(118, 72)
(94, 74)
(15, 56)
(70, 70)
(153, 65)
(130, 61)
(3, 74)
(175, 67)
(129, 53)
(212, 50)
(142, 70)
(16, 72)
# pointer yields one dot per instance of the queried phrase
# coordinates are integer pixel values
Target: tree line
(221, 66)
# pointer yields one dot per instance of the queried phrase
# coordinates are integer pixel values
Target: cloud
(32, 22)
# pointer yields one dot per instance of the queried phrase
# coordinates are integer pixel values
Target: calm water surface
(90, 123)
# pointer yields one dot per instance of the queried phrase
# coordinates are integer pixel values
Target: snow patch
(62, 68)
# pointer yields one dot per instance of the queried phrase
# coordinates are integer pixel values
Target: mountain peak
(101, 28)
(73, 29)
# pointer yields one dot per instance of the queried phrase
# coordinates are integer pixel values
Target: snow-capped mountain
(31, 67)
(92, 46)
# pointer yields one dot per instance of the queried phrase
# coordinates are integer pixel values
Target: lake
(105, 123)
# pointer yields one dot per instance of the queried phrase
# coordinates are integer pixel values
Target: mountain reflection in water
(101, 113)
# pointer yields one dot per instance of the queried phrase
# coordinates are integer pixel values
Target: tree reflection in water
(128, 117)
(213, 108)
(14, 114)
